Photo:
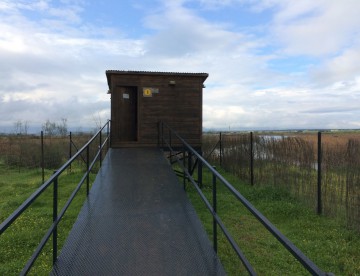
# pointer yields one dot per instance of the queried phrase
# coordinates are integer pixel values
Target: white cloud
(342, 68)
(316, 28)
(53, 62)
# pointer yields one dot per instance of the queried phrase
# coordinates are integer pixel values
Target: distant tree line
(55, 129)
(49, 128)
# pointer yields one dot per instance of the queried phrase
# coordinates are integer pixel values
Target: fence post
(42, 157)
(220, 145)
(70, 152)
(252, 158)
(319, 201)
(215, 211)
(55, 213)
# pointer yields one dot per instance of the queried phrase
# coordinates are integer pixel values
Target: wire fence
(42, 154)
(322, 170)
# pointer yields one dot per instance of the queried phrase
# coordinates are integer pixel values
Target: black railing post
(190, 162)
(214, 191)
(100, 144)
(184, 168)
(87, 169)
(305, 261)
(200, 169)
(251, 158)
(70, 152)
(319, 203)
(42, 157)
(55, 214)
(108, 134)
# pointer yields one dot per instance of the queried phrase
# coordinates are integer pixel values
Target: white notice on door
(126, 96)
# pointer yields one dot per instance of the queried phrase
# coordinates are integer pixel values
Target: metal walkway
(137, 220)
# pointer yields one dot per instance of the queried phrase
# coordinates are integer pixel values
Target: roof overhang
(109, 73)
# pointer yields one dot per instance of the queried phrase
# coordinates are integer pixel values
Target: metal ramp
(137, 220)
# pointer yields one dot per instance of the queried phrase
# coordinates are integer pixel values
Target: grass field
(327, 242)
(19, 241)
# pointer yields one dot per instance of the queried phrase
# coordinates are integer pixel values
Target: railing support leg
(87, 170)
(108, 134)
(100, 144)
(190, 162)
(251, 158)
(200, 165)
(55, 214)
(70, 152)
(42, 157)
(184, 165)
(215, 211)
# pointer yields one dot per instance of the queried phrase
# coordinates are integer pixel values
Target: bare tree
(49, 128)
(21, 127)
(62, 127)
(97, 120)
(53, 129)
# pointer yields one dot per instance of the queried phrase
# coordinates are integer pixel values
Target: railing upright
(70, 148)
(184, 167)
(200, 173)
(42, 158)
(87, 170)
(53, 180)
(214, 199)
(252, 158)
(100, 142)
(108, 134)
(55, 217)
(304, 260)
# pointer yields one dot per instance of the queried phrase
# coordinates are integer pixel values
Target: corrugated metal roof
(130, 72)
(154, 73)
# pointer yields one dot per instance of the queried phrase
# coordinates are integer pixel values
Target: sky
(272, 64)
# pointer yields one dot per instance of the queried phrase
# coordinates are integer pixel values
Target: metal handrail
(304, 260)
(54, 180)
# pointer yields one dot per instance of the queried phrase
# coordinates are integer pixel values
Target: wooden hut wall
(178, 104)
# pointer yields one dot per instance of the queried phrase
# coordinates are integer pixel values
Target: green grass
(19, 241)
(327, 242)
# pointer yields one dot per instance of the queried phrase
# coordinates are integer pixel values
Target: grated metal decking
(137, 220)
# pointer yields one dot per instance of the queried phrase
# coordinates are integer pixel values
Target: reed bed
(34, 151)
(290, 161)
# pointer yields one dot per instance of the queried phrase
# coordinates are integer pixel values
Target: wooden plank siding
(179, 105)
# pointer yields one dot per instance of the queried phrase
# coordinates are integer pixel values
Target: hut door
(126, 116)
